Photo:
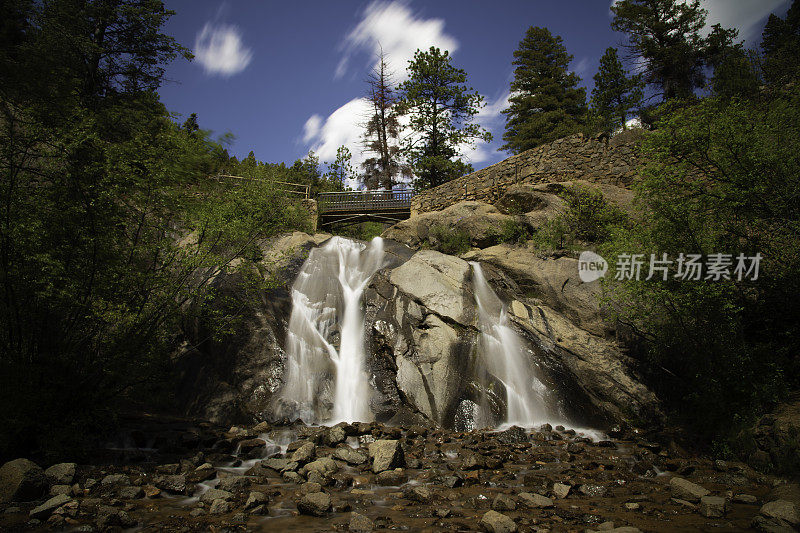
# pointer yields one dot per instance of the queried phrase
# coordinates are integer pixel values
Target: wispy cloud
(220, 50)
(393, 28)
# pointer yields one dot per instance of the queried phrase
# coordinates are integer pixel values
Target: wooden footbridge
(348, 207)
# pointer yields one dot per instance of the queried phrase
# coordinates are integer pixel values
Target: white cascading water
(507, 359)
(326, 294)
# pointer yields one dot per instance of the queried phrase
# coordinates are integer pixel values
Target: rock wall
(577, 157)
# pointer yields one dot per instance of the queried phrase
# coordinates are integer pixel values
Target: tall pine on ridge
(546, 102)
(614, 94)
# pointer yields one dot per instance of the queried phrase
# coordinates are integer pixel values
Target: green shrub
(451, 241)
(589, 216)
(515, 231)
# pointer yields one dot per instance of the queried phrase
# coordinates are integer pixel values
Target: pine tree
(666, 34)
(440, 108)
(546, 102)
(614, 94)
(781, 46)
(382, 131)
(340, 171)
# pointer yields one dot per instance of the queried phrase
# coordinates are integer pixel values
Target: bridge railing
(363, 201)
(293, 189)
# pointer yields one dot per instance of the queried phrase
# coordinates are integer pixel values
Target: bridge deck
(358, 206)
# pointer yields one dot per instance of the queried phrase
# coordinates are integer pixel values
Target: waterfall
(507, 359)
(326, 306)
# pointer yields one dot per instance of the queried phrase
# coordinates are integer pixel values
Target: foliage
(515, 231)
(365, 231)
(546, 102)
(589, 216)
(382, 131)
(721, 177)
(448, 240)
(440, 108)
(614, 94)
(110, 225)
(341, 171)
(666, 35)
(781, 46)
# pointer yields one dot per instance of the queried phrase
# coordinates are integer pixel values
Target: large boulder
(438, 282)
(386, 455)
(21, 480)
(776, 439)
(553, 280)
(482, 222)
(60, 474)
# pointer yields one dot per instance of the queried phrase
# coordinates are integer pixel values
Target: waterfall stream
(326, 308)
(505, 356)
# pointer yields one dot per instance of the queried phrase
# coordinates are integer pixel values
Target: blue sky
(287, 77)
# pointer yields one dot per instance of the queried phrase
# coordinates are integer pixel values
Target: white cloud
(220, 50)
(395, 29)
(582, 67)
(311, 128)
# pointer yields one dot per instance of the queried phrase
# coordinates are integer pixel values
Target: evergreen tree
(546, 102)
(614, 94)
(382, 131)
(735, 71)
(666, 34)
(340, 171)
(440, 108)
(781, 46)
(191, 125)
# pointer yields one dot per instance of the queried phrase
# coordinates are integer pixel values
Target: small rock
(233, 483)
(632, 506)
(247, 446)
(686, 490)
(417, 494)
(219, 506)
(292, 477)
(55, 490)
(175, 484)
(712, 506)
(503, 502)
(21, 480)
(316, 504)
(255, 499)
(44, 510)
(334, 436)
(215, 494)
(197, 512)
(349, 455)
(394, 477)
(782, 511)
(495, 522)
(360, 524)
(130, 493)
(745, 498)
(304, 453)
(151, 491)
(116, 479)
(310, 488)
(324, 466)
(60, 474)
(561, 491)
(535, 501)
(513, 435)
(386, 455)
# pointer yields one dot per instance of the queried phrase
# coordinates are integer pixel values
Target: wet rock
(745, 498)
(316, 504)
(292, 477)
(417, 494)
(41, 512)
(219, 506)
(686, 490)
(215, 494)
(324, 466)
(632, 506)
(304, 453)
(360, 524)
(174, 484)
(109, 517)
(55, 490)
(247, 446)
(495, 522)
(60, 474)
(151, 491)
(255, 499)
(535, 501)
(21, 480)
(503, 502)
(233, 483)
(712, 506)
(334, 436)
(513, 435)
(202, 473)
(349, 455)
(561, 491)
(394, 477)
(310, 488)
(592, 491)
(386, 455)
(116, 479)
(781, 513)
(472, 461)
(130, 493)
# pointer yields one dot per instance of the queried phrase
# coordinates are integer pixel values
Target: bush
(515, 231)
(451, 241)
